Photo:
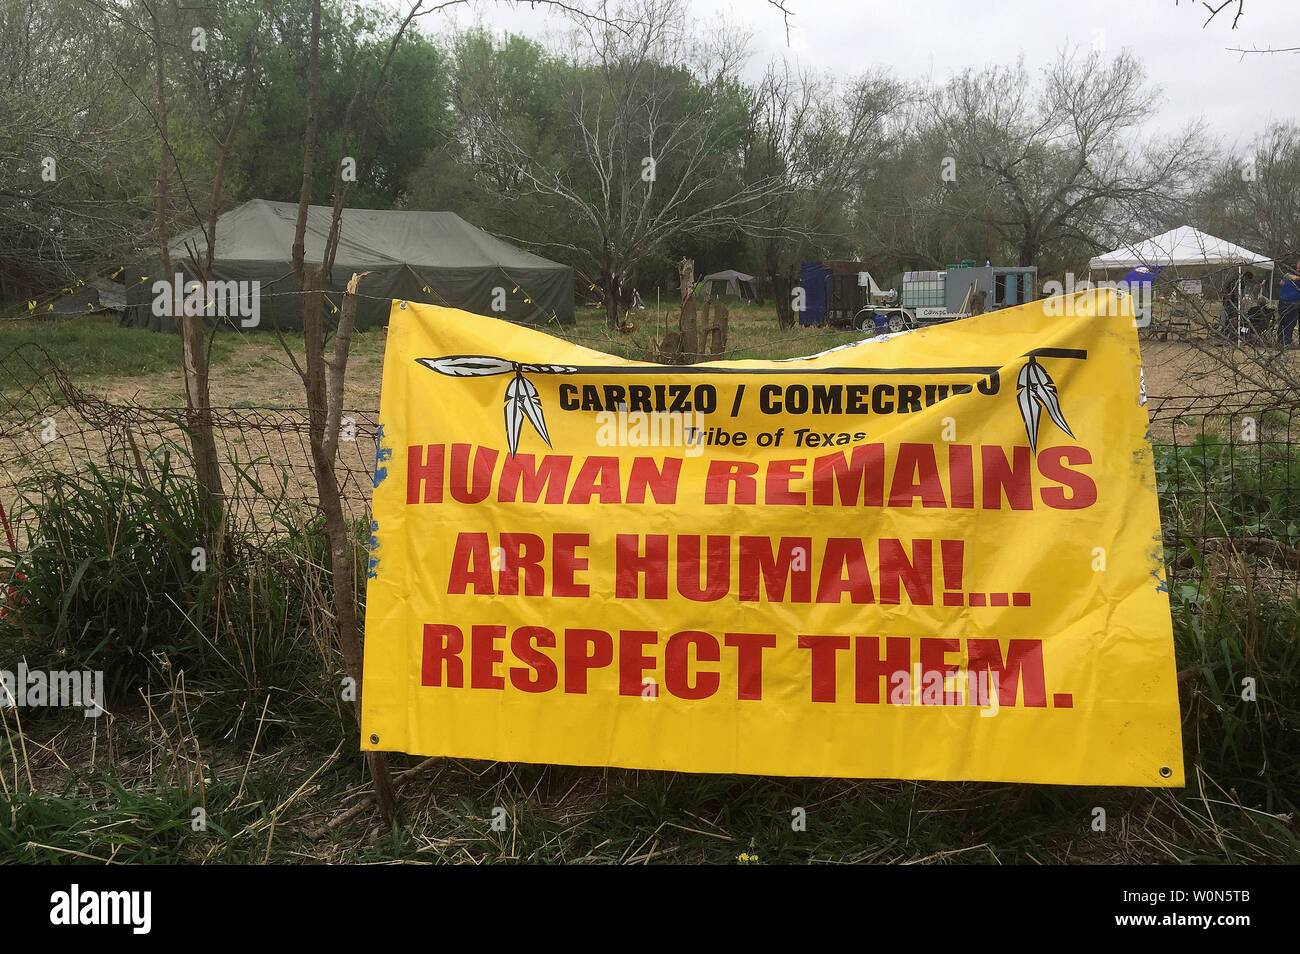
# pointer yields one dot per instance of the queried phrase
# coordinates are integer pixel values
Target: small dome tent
(736, 283)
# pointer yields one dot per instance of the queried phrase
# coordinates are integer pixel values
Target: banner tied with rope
(934, 555)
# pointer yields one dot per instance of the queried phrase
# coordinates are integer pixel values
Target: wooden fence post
(688, 325)
(720, 320)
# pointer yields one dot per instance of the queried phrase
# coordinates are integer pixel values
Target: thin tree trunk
(782, 288)
(218, 179)
(325, 403)
(164, 252)
(611, 301)
(194, 360)
(298, 254)
(325, 379)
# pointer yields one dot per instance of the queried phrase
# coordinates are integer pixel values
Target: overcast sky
(1236, 94)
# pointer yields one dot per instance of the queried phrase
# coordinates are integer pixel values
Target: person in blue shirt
(1288, 306)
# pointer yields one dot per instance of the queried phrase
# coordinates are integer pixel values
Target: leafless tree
(815, 140)
(194, 356)
(324, 374)
(655, 132)
(1237, 9)
(1253, 198)
(1062, 161)
(66, 185)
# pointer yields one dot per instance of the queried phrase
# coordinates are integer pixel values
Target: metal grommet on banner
(374, 738)
(402, 305)
(1165, 770)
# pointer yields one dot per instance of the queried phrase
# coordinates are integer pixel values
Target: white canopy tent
(1187, 247)
(1181, 246)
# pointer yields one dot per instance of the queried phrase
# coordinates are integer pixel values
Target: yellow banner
(935, 555)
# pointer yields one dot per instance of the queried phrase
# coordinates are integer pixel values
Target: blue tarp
(814, 277)
(1142, 275)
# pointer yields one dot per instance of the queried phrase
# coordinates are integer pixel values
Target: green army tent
(434, 257)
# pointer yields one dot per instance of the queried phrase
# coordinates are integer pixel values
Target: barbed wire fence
(1227, 466)
(48, 423)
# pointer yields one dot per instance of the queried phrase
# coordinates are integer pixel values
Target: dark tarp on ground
(406, 252)
(82, 301)
(92, 297)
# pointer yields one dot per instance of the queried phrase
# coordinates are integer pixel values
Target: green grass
(753, 332)
(95, 346)
(187, 811)
(1219, 485)
(586, 815)
(127, 574)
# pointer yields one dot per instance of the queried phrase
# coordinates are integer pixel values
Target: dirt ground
(1178, 368)
(258, 374)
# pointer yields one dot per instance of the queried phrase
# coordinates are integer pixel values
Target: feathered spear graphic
(1036, 391)
(521, 401)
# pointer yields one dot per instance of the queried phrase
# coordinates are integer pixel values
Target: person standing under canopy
(1288, 306)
